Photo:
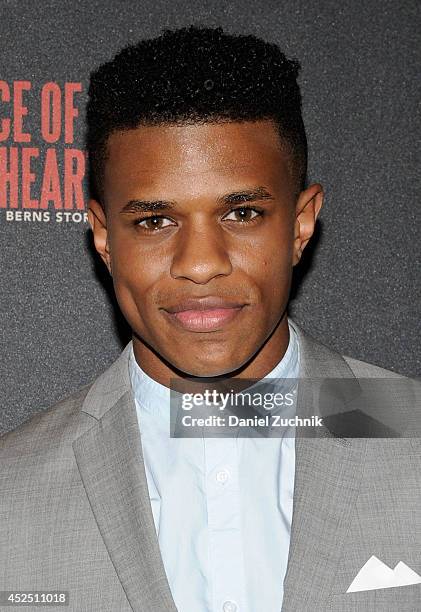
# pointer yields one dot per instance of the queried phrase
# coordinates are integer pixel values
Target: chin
(210, 369)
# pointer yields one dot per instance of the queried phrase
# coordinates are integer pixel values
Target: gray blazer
(75, 512)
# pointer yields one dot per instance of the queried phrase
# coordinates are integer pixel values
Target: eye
(154, 223)
(243, 214)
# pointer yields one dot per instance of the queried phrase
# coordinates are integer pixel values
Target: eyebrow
(245, 195)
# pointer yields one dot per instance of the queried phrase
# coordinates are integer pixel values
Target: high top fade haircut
(195, 75)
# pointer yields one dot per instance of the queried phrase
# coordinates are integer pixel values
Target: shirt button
(222, 476)
(229, 606)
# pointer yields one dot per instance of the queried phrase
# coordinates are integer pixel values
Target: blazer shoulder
(369, 370)
(61, 422)
(404, 392)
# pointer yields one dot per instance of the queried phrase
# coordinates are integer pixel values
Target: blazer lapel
(110, 462)
(328, 473)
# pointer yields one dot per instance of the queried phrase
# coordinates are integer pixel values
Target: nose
(200, 255)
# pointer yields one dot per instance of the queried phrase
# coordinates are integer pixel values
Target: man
(200, 211)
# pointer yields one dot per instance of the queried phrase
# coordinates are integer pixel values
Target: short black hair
(195, 75)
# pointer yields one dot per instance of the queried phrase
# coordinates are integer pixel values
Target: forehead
(209, 151)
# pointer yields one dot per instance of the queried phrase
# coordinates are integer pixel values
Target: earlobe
(98, 222)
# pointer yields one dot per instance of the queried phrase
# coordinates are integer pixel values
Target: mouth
(205, 320)
(204, 314)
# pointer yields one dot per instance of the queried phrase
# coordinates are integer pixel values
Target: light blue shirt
(222, 507)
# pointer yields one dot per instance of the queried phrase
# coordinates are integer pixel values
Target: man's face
(201, 235)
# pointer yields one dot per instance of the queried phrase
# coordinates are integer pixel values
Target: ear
(98, 222)
(307, 209)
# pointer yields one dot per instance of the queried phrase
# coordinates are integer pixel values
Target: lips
(208, 302)
(205, 314)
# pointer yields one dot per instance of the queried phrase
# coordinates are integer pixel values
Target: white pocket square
(377, 575)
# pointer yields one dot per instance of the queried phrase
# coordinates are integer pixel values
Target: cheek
(274, 283)
(272, 274)
(135, 277)
(136, 292)
(268, 263)
(133, 266)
